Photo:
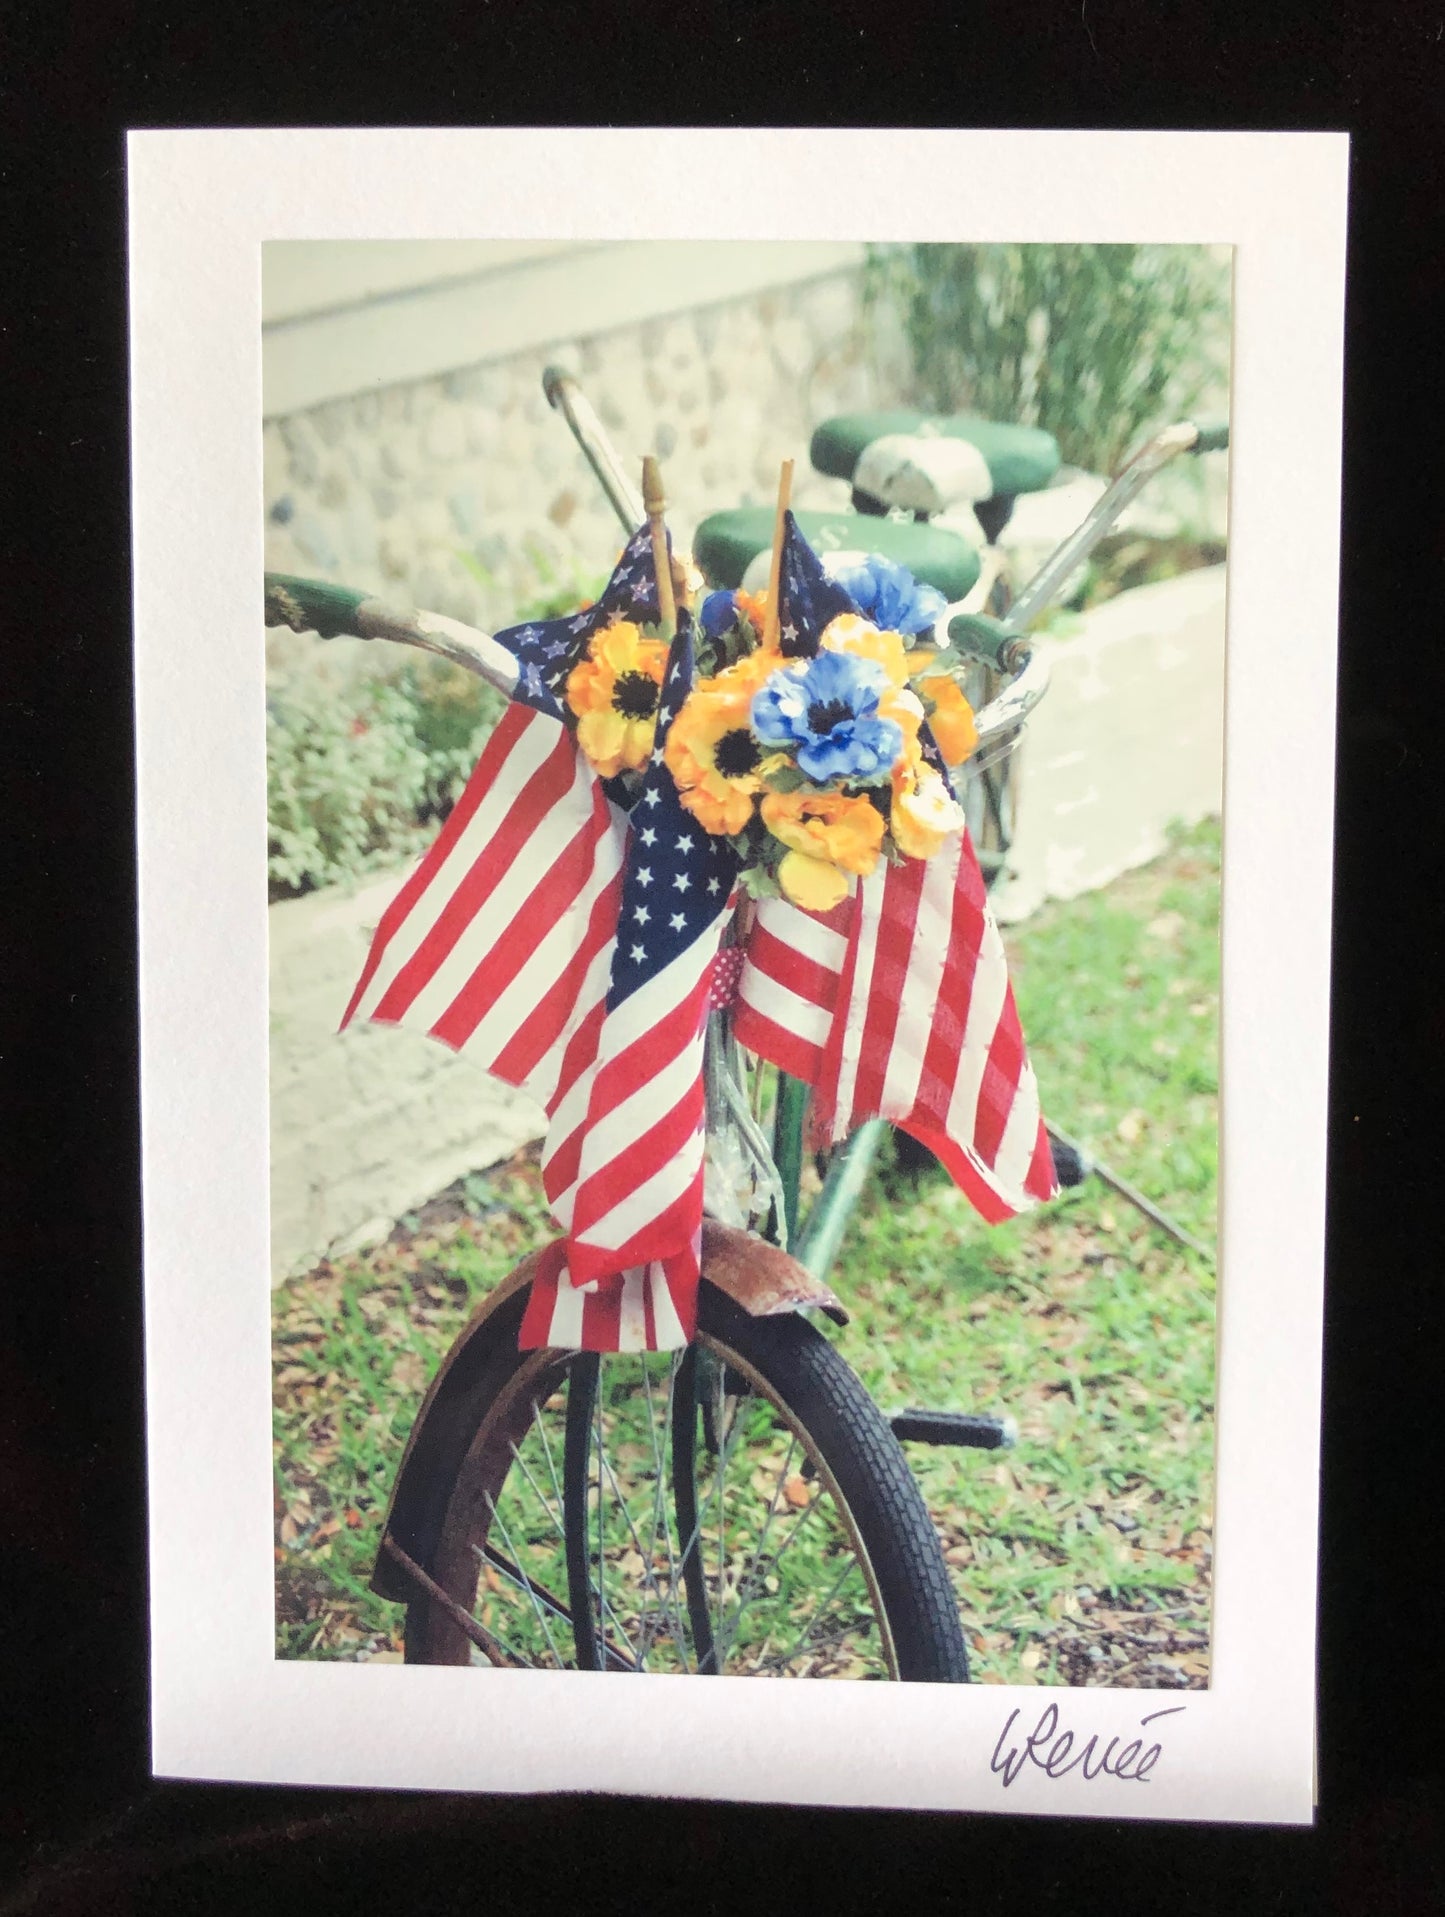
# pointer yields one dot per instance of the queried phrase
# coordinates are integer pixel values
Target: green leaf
(788, 778)
(758, 882)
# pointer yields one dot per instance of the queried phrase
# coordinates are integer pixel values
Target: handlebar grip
(986, 638)
(311, 605)
(1213, 435)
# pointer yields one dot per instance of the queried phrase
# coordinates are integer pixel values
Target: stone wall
(390, 489)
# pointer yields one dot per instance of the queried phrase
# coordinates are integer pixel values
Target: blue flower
(890, 596)
(717, 614)
(826, 714)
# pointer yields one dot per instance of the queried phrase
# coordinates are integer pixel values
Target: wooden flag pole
(775, 570)
(655, 504)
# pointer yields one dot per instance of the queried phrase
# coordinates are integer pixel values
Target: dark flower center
(822, 717)
(736, 754)
(634, 695)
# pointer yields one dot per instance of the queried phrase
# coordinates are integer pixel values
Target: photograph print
(745, 735)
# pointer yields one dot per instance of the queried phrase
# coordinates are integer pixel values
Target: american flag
(569, 952)
(623, 1161)
(570, 949)
(897, 1003)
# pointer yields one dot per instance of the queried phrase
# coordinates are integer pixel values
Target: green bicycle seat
(1019, 459)
(727, 543)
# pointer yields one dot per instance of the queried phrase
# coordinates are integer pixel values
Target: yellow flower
(923, 814)
(950, 717)
(811, 883)
(615, 691)
(711, 751)
(851, 633)
(842, 831)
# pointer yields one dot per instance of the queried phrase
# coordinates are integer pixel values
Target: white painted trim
(304, 278)
(380, 329)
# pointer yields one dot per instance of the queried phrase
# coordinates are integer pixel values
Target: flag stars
(639, 953)
(642, 915)
(648, 835)
(677, 921)
(684, 843)
(712, 885)
(681, 882)
(644, 877)
(651, 796)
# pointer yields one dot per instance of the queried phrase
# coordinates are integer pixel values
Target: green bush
(1096, 344)
(356, 779)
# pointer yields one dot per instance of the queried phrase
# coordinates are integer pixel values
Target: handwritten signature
(1053, 1751)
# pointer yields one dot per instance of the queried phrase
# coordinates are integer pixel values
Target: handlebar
(567, 397)
(1000, 642)
(336, 612)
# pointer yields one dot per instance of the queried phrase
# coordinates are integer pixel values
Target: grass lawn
(1082, 1556)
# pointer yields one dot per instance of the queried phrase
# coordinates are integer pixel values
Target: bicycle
(644, 1513)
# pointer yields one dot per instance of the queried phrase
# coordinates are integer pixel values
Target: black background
(82, 1826)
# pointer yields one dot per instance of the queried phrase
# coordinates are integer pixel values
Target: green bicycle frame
(816, 1244)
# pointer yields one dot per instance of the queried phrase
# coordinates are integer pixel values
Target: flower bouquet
(814, 763)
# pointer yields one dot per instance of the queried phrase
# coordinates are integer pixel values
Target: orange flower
(711, 751)
(829, 826)
(755, 605)
(923, 813)
(615, 691)
(950, 717)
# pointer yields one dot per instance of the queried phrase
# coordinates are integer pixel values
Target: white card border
(201, 203)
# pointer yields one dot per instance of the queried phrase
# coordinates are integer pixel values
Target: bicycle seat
(728, 544)
(928, 462)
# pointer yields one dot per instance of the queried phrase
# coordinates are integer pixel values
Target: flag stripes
(898, 1006)
(651, 1309)
(458, 954)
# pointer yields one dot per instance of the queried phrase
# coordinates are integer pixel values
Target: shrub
(1097, 344)
(359, 775)
(357, 778)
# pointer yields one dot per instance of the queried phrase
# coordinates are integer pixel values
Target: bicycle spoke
(816, 1616)
(815, 1650)
(746, 1584)
(540, 1614)
(539, 1425)
(554, 1515)
(659, 1491)
(604, 1608)
(649, 1576)
(553, 1603)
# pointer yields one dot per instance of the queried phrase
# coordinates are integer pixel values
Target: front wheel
(742, 1507)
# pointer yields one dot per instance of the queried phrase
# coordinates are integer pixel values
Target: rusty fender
(764, 1281)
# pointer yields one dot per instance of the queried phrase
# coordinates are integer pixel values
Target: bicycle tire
(804, 1381)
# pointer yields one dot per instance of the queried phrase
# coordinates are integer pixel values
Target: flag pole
(655, 504)
(775, 570)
